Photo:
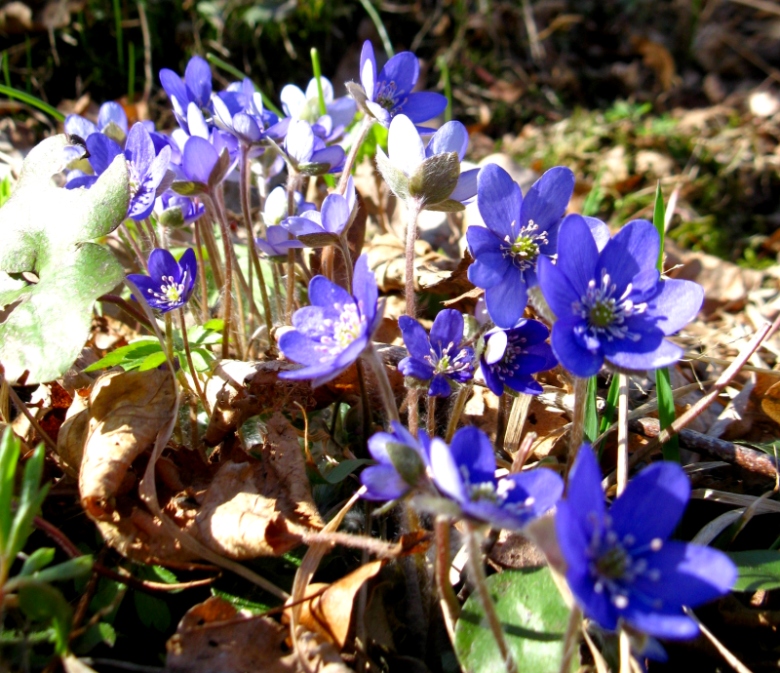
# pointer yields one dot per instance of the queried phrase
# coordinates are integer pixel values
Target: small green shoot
(380, 26)
(32, 101)
(447, 83)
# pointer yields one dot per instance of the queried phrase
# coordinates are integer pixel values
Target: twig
(732, 660)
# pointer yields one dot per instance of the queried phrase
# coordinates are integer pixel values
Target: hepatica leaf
(46, 232)
(532, 614)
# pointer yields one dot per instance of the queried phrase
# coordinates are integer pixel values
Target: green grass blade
(30, 500)
(663, 384)
(9, 456)
(231, 70)
(610, 406)
(666, 415)
(120, 52)
(317, 70)
(380, 27)
(32, 101)
(445, 74)
(130, 72)
(591, 414)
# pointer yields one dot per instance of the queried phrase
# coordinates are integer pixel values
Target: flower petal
(298, 348)
(102, 152)
(335, 213)
(416, 368)
(382, 482)
(489, 269)
(451, 137)
(662, 625)
(198, 159)
(660, 353)
(404, 145)
(507, 300)
(197, 77)
(293, 100)
(677, 304)
(299, 142)
(467, 186)
(162, 263)
(473, 453)
(368, 69)
(547, 200)
(112, 113)
(570, 351)
(325, 293)
(439, 387)
(577, 253)
(424, 105)
(499, 200)
(402, 70)
(447, 329)
(415, 338)
(632, 250)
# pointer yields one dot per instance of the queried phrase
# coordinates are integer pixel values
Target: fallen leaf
(213, 636)
(770, 402)
(329, 612)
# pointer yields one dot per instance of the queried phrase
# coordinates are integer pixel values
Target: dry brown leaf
(214, 637)
(658, 58)
(513, 550)
(329, 612)
(126, 411)
(256, 508)
(770, 402)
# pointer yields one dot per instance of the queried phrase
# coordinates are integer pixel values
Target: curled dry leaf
(214, 636)
(258, 508)
(329, 612)
(126, 411)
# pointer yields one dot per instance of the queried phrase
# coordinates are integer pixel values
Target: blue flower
(169, 283)
(331, 334)
(239, 111)
(620, 564)
(390, 93)
(147, 168)
(275, 207)
(414, 170)
(305, 105)
(392, 451)
(465, 472)
(317, 229)
(178, 211)
(518, 231)
(611, 303)
(194, 88)
(277, 242)
(112, 121)
(511, 356)
(308, 153)
(440, 359)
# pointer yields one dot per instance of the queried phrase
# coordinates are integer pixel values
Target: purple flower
(308, 153)
(402, 462)
(239, 111)
(205, 164)
(511, 356)
(390, 93)
(611, 304)
(305, 105)
(169, 283)
(465, 472)
(331, 334)
(430, 174)
(277, 242)
(194, 88)
(112, 121)
(147, 169)
(178, 211)
(440, 358)
(518, 232)
(317, 229)
(620, 565)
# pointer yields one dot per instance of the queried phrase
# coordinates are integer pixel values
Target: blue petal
(489, 269)
(439, 387)
(451, 137)
(415, 338)
(556, 289)
(78, 125)
(382, 482)
(325, 293)
(447, 329)
(499, 200)
(677, 304)
(624, 356)
(402, 70)
(298, 348)
(162, 263)
(471, 450)
(424, 105)
(368, 69)
(335, 213)
(585, 495)
(661, 625)
(524, 384)
(652, 504)
(542, 486)
(599, 230)
(112, 113)
(415, 368)
(198, 159)
(102, 152)
(494, 382)
(507, 300)
(446, 472)
(570, 351)
(546, 201)
(197, 78)
(632, 250)
(482, 241)
(365, 290)
(467, 186)
(577, 254)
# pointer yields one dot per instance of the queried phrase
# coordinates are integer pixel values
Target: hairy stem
(293, 181)
(622, 438)
(365, 127)
(448, 602)
(227, 286)
(204, 287)
(413, 211)
(457, 410)
(577, 431)
(430, 419)
(480, 582)
(188, 355)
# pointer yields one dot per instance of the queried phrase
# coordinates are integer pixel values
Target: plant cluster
(602, 300)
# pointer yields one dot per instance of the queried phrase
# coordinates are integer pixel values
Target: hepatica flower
(401, 463)
(428, 174)
(316, 229)
(305, 105)
(389, 93)
(194, 88)
(169, 283)
(518, 232)
(620, 564)
(277, 242)
(611, 303)
(440, 359)
(331, 334)
(308, 153)
(511, 356)
(465, 472)
(112, 121)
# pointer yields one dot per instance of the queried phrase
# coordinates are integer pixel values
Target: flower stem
(344, 247)
(227, 287)
(571, 639)
(413, 410)
(457, 410)
(480, 582)
(385, 389)
(450, 608)
(578, 420)
(169, 336)
(204, 287)
(622, 438)
(188, 355)
(413, 211)
(247, 212)
(133, 245)
(367, 123)
(364, 401)
(293, 180)
(430, 419)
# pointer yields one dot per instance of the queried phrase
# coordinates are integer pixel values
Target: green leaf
(659, 221)
(66, 570)
(611, 404)
(43, 603)
(46, 232)
(214, 325)
(40, 558)
(591, 413)
(758, 570)
(138, 350)
(533, 616)
(666, 412)
(9, 456)
(240, 602)
(153, 612)
(30, 501)
(102, 632)
(344, 469)
(152, 361)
